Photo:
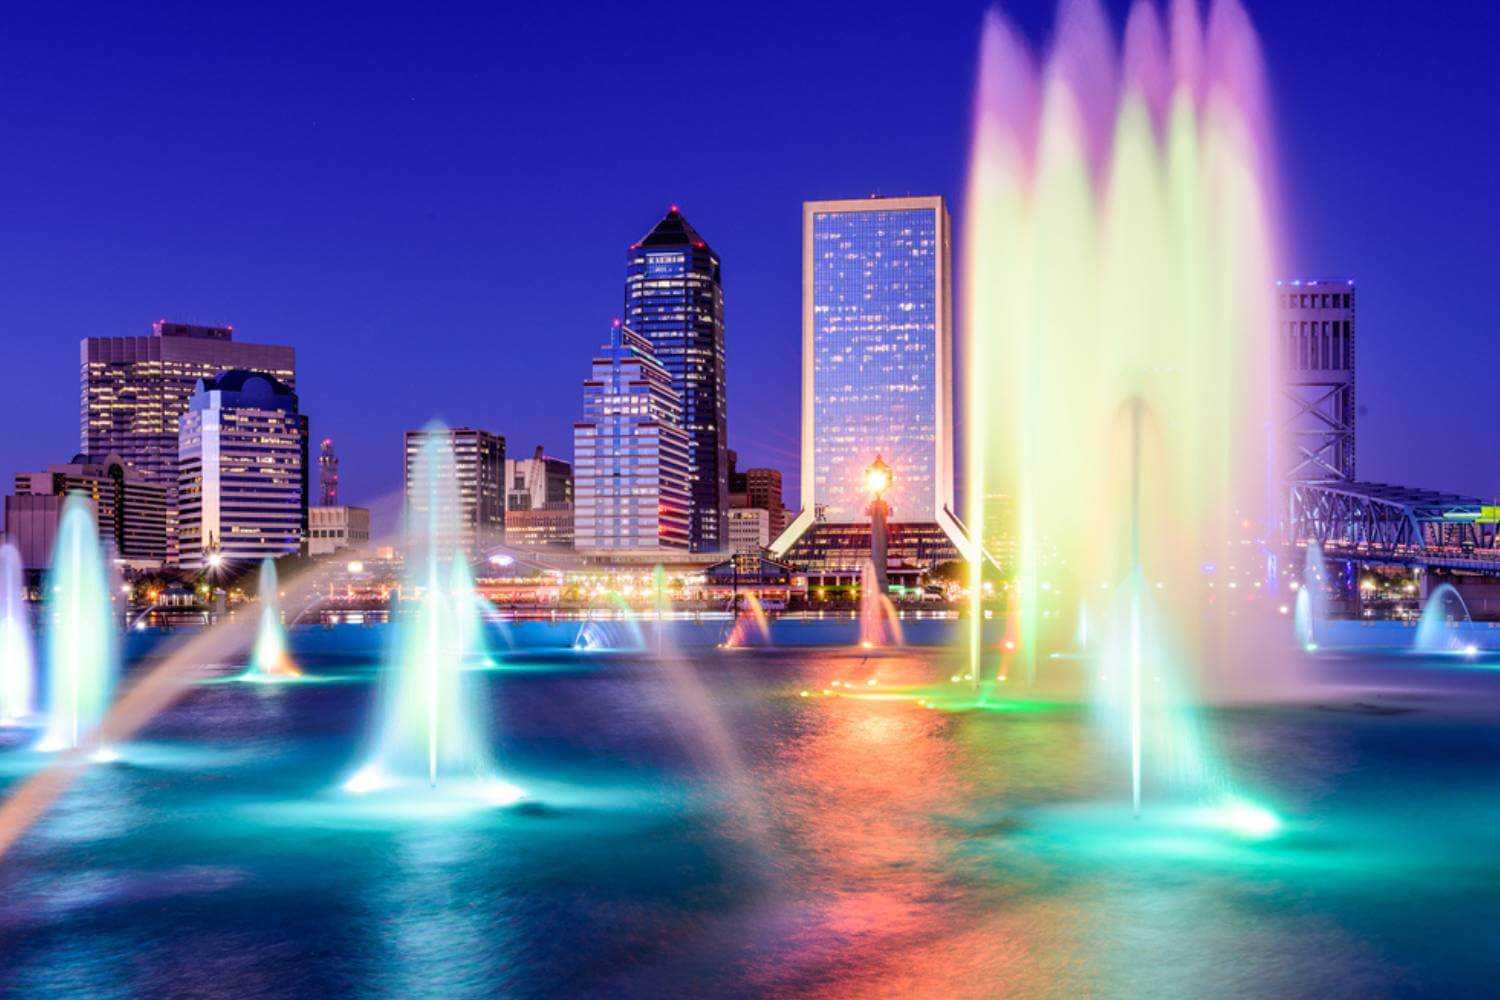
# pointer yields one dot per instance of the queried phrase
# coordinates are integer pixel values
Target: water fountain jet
(17, 663)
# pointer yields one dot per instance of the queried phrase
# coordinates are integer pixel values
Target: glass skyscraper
(877, 361)
(675, 299)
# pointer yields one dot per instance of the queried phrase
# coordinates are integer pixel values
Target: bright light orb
(1247, 819)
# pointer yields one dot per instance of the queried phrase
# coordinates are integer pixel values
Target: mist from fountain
(1439, 630)
(270, 660)
(879, 625)
(431, 731)
(1311, 605)
(620, 634)
(82, 641)
(1121, 265)
(751, 626)
(17, 661)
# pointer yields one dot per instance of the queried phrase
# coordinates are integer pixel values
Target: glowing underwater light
(1245, 819)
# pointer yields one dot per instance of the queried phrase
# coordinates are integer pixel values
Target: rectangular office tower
(1316, 334)
(136, 389)
(478, 486)
(674, 297)
(630, 454)
(877, 382)
(242, 484)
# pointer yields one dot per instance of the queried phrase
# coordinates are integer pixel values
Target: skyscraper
(131, 512)
(630, 454)
(1316, 333)
(877, 375)
(674, 297)
(242, 486)
(479, 467)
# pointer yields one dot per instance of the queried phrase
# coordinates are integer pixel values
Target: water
(431, 731)
(904, 849)
(269, 660)
(82, 632)
(17, 666)
(1440, 629)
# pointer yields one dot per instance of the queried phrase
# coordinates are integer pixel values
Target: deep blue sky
(432, 201)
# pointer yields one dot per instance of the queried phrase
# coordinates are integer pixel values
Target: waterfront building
(674, 297)
(479, 470)
(333, 529)
(1316, 333)
(877, 381)
(328, 475)
(242, 486)
(630, 454)
(130, 511)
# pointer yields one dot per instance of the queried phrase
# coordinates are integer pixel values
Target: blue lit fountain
(17, 666)
(430, 731)
(81, 640)
(1440, 628)
(269, 660)
(1312, 598)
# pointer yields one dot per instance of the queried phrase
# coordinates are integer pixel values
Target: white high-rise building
(242, 470)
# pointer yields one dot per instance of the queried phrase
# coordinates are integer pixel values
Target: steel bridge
(1379, 523)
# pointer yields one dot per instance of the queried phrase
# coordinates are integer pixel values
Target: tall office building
(674, 297)
(136, 389)
(630, 454)
(479, 469)
(1316, 333)
(877, 381)
(242, 485)
(130, 511)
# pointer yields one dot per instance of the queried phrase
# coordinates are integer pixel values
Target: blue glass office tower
(877, 365)
(674, 297)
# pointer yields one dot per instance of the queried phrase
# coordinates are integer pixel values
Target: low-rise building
(333, 529)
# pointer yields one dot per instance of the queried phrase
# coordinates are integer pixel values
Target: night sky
(432, 201)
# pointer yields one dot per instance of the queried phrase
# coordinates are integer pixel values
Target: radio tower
(328, 474)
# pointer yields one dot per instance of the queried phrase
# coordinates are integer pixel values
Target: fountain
(879, 624)
(1440, 628)
(1119, 300)
(269, 659)
(1312, 598)
(622, 634)
(81, 631)
(17, 666)
(751, 626)
(430, 731)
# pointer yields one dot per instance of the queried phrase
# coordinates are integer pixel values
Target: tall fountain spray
(17, 666)
(879, 625)
(1119, 299)
(431, 726)
(81, 631)
(270, 660)
(1312, 598)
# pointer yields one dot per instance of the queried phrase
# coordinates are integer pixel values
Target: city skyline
(73, 283)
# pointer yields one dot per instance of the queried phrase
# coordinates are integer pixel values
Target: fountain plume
(82, 641)
(17, 663)
(270, 660)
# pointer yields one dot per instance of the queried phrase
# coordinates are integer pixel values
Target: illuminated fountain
(431, 727)
(81, 631)
(1119, 303)
(620, 634)
(879, 625)
(17, 664)
(751, 626)
(1440, 629)
(1312, 598)
(269, 659)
